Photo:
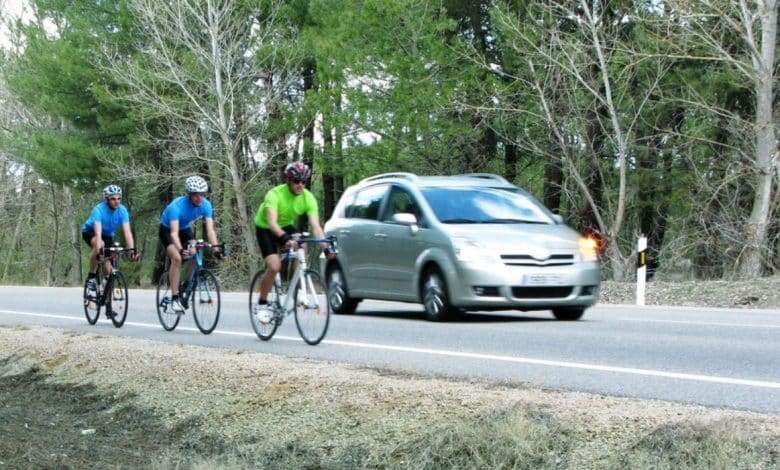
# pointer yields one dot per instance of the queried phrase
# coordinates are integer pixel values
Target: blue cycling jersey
(181, 209)
(109, 219)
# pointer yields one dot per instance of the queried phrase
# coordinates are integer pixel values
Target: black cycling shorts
(184, 236)
(270, 243)
(87, 237)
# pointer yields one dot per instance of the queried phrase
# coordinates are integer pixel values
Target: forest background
(626, 117)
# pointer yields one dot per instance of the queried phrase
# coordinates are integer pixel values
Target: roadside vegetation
(85, 401)
(623, 117)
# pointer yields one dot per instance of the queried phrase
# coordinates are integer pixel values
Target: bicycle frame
(300, 256)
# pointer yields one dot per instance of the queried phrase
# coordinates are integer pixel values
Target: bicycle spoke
(263, 317)
(91, 303)
(312, 315)
(119, 301)
(205, 301)
(168, 318)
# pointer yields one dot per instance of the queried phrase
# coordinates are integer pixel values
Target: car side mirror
(405, 218)
(557, 218)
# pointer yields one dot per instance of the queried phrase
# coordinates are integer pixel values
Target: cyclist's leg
(269, 246)
(107, 242)
(90, 239)
(187, 237)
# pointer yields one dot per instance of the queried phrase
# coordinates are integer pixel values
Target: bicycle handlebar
(331, 241)
(200, 244)
(107, 251)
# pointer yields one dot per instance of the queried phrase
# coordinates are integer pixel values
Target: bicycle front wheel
(91, 303)
(205, 302)
(117, 303)
(263, 317)
(168, 318)
(312, 314)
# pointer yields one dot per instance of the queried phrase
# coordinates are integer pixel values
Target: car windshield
(468, 205)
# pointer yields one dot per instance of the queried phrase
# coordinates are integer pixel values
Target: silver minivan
(456, 243)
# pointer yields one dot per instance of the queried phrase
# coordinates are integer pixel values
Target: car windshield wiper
(460, 221)
(511, 221)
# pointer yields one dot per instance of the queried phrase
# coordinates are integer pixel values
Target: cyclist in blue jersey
(98, 231)
(176, 230)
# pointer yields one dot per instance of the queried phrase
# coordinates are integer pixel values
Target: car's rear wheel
(434, 295)
(569, 313)
(339, 302)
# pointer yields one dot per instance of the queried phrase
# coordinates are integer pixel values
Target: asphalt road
(712, 357)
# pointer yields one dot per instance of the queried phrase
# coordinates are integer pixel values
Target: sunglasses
(115, 199)
(297, 181)
(198, 194)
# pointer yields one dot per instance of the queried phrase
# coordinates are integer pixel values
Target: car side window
(367, 202)
(400, 201)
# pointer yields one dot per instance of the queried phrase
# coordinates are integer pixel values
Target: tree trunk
(750, 265)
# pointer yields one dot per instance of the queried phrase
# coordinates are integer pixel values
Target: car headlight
(589, 250)
(473, 252)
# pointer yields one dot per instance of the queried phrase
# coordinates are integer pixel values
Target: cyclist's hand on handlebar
(329, 253)
(218, 254)
(134, 255)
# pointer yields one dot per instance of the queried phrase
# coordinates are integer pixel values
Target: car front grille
(542, 292)
(528, 260)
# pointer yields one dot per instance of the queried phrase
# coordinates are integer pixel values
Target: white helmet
(111, 190)
(195, 184)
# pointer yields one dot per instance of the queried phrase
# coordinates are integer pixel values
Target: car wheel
(568, 314)
(339, 302)
(434, 296)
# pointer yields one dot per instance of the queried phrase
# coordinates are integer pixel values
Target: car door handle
(344, 232)
(381, 236)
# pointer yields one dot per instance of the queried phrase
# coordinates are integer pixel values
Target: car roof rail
(398, 174)
(487, 176)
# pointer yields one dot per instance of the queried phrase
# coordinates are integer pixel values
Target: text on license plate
(543, 280)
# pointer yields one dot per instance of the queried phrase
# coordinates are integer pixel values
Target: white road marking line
(467, 355)
(706, 323)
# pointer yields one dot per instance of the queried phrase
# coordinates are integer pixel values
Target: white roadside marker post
(641, 269)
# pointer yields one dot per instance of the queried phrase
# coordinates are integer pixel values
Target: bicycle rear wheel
(116, 309)
(263, 317)
(312, 314)
(168, 318)
(91, 302)
(206, 301)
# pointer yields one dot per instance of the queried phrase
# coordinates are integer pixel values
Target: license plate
(543, 280)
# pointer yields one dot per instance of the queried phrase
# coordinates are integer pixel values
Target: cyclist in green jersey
(276, 217)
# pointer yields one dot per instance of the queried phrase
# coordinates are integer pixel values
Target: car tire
(435, 298)
(339, 301)
(568, 314)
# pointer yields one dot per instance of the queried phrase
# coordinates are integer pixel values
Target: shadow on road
(470, 317)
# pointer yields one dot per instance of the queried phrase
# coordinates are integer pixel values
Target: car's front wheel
(434, 295)
(339, 302)
(568, 314)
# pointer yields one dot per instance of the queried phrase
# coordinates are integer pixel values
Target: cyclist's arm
(175, 235)
(128, 235)
(316, 229)
(272, 216)
(98, 229)
(211, 234)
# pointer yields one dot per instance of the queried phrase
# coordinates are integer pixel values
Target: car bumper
(523, 288)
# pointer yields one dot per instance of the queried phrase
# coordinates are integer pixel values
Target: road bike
(200, 290)
(110, 291)
(304, 293)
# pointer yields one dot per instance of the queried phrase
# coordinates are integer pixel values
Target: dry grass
(75, 401)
